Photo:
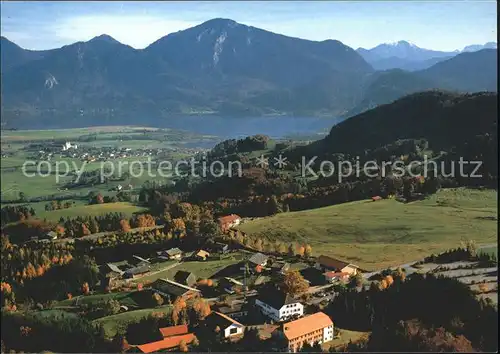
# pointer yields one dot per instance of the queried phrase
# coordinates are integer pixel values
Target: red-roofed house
(174, 330)
(217, 321)
(316, 328)
(168, 343)
(229, 221)
(336, 276)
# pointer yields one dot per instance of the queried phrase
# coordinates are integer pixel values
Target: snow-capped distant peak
(401, 43)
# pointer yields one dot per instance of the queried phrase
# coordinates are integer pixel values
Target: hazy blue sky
(440, 25)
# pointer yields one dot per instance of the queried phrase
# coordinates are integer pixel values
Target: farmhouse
(230, 328)
(174, 330)
(51, 235)
(67, 145)
(328, 264)
(172, 338)
(280, 267)
(173, 253)
(236, 310)
(316, 328)
(186, 278)
(259, 259)
(229, 284)
(173, 290)
(202, 255)
(277, 305)
(135, 271)
(332, 276)
(229, 221)
(219, 247)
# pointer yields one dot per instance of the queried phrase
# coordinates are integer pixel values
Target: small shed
(202, 255)
(186, 278)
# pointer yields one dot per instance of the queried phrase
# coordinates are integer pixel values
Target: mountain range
(218, 68)
(407, 56)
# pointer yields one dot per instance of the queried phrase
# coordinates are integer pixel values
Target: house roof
(182, 276)
(234, 307)
(305, 325)
(166, 343)
(202, 253)
(173, 251)
(233, 281)
(221, 320)
(140, 259)
(171, 287)
(138, 270)
(336, 274)
(114, 268)
(280, 265)
(220, 245)
(258, 258)
(228, 218)
(275, 298)
(333, 263)
(174, 330)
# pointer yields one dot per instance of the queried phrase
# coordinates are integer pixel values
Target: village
(246, 292)
(90, 153)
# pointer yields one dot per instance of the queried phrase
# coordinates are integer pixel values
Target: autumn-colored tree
(183, 346)
(157, 299)
(30, 271)
(258, 268)
(210, 282)
(483, 287)
(201, 308)
(389, 279)
(59, 230)
(69, 296)
(301, 250)
(291, 250)
(84, 230)
(139, 286)
(195, 342)
(25, 331)
(294, 283)
(93, 226)
(40, 271)
(5, 287)
(85, 288)
(308, 251)
(281, 248)
(99, 199)
(177, 227)
(258, 244)
(145, 220)
(124, 225)
(383, 284)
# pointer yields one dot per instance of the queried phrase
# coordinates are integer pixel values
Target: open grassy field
(17, 135)
(93, 210)
(201, 269)
(112, 323)
(124, 298)
(376, 235)
(345, 336)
